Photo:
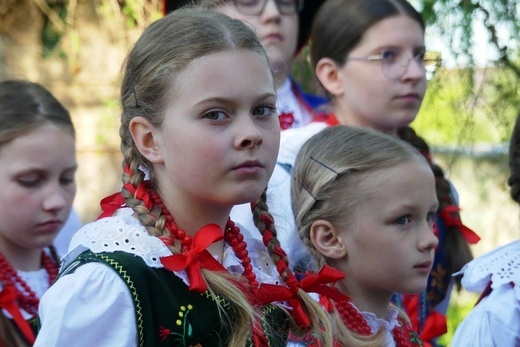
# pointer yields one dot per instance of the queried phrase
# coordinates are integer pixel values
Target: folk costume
(426, 320)
(20, 293)
(494, 321)
(151, 297)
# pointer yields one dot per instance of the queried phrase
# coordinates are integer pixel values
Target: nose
(55, 198)
(270, 10)
(427, 239)
(413, 69)
(248, 134)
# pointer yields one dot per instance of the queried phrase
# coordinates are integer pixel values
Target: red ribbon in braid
(449, 216)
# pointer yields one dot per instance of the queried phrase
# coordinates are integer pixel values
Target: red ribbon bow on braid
(450, 217)
(114, 202)
(197, 257)
(315, 283)
(8, 298)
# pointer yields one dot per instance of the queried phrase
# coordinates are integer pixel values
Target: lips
(272, 37)
(425, 265)
(51, 226)
(249, 164)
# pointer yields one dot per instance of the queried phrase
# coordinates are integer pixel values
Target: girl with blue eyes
(164, 265)
(37, 169)
(364, 204)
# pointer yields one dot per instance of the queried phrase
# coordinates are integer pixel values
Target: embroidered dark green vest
(168, 313)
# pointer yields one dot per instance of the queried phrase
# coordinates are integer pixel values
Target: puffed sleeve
(90, 307)
(493, 322)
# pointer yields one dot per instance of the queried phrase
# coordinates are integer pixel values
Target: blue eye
(431, 217)
(403, 220)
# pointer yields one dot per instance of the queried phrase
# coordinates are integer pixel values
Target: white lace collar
(124, 233)
(501, 266)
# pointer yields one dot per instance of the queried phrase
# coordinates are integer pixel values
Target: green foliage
(453, 113)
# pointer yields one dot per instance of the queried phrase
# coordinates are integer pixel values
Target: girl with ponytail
(164, 265)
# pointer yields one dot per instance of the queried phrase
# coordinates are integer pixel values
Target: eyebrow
(218, 99)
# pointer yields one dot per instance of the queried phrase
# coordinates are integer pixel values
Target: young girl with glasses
(37, 169)
(165, 265)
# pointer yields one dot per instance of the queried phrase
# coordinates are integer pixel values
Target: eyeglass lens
(256, 7)
(395, 67)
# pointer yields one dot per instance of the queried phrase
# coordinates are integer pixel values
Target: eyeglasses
(256, 7)
(395, 62)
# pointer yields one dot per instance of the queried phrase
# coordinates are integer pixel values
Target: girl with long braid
(37, 176)
(364, 204)
(164, 265)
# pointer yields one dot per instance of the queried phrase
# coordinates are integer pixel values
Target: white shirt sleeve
(90, 307)
(494, 321)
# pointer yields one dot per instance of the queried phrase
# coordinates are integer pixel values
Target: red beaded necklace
(232, 236)
(404, 335)
(27, 299)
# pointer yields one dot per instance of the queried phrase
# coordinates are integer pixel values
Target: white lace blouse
(93, 306)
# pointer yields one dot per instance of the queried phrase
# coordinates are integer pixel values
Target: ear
(327, 72)
(327, 239)
(146, 139)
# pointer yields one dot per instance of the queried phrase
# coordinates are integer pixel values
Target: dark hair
(26, 105)
(514, 161)
(339, 25)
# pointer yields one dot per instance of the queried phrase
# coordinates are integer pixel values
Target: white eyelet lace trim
(501, 266)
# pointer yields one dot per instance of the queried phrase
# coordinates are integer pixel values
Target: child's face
(390, 247)
(219, 140)
(277, 32)
(368, 97)
(38, 187)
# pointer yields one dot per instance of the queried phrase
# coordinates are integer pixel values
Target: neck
(22, 259)
(281, 72)
(346, 116)
(367, 300)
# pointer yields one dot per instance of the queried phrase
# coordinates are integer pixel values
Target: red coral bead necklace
(404, 335)
(232, 236)
(26, 299)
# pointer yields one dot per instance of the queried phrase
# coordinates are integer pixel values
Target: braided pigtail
(219, 284)
(319, 320)
(457, 249)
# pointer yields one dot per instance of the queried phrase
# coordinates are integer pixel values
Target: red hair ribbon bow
(451, 219)
(316, 282)
(8, 302)
(197, 257)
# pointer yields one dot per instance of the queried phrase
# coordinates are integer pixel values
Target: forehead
(395, 31)
(230, 73)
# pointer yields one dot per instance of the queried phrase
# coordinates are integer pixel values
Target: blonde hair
(163, 51)
(327, 184)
